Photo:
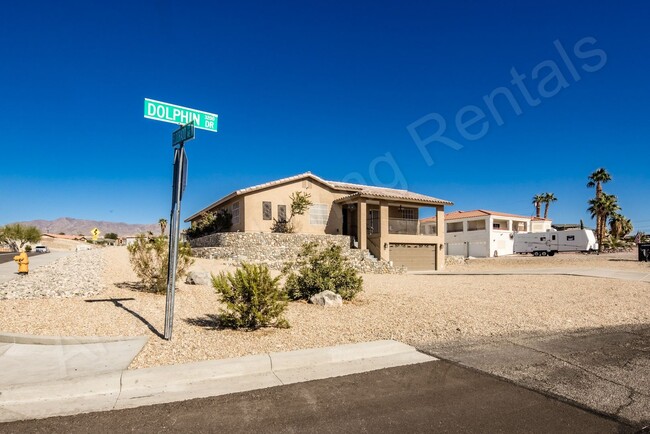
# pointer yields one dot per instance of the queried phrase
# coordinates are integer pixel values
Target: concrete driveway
(605, 369)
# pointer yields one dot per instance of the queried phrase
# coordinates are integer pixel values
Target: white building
(481, 233)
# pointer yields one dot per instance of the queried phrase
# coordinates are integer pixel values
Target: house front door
(350, 222)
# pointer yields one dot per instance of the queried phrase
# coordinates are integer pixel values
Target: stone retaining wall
(275, 249)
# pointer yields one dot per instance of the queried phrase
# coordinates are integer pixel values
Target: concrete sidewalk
(120, 389)
(9, 270)
(637, 276)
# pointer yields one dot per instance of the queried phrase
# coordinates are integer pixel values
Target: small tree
(317, 270)
(252, 297)
(149, 258)
(17, 235)
(300, 203)
(163, 226)
(211, 223)
(111, 236)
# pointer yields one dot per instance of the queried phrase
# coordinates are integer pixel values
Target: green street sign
(175, 114)
(183, 134)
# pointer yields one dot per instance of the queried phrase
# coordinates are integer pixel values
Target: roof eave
(215, 204)
(392, 198)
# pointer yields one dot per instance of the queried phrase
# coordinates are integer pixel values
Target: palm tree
(597, 179)
(619, 226)
(601, 208)
(163, 226)
(537, 201)
(626, 227)
(547, 199)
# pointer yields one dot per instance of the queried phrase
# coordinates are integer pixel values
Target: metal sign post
(180, 168)
(185, 132)
(165, 112)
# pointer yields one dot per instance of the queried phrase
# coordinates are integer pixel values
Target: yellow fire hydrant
(23, 263)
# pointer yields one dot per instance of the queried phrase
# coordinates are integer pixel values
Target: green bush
(28, 248)
(149, 258)
(252, 297)
(317, 270)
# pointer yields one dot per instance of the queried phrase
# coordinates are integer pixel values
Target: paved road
(637, 276)
(429, 397)
(8, 257)
(605, 369)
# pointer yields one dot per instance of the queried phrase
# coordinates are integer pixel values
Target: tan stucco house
(383, 220)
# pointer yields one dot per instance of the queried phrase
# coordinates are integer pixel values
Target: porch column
(383, 231)
(440, 235)
(440, 221)
(362, 225)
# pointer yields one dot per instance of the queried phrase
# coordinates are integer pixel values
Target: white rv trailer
(552, 242)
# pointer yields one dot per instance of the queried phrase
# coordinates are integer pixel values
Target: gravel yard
(414, 309)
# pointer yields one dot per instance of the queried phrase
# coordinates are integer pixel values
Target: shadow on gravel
(118, 303)
(209, 321)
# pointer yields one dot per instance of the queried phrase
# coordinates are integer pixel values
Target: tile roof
(391, 193)
(355, 190)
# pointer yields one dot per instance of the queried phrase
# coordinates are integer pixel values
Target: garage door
(478, 249)
(415, 257)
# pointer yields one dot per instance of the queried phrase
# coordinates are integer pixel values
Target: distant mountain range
(72, 226)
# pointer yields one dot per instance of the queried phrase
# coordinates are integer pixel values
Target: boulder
(198, 278)
(326, 299)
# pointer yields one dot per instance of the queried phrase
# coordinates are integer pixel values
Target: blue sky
(328, 87)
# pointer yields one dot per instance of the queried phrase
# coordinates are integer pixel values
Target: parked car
(41, 249)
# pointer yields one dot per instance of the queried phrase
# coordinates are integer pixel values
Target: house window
(542, 238)
(455, 227)
(520, 227)
(282, 213)
(496, 225)
(373, 221)
(408, 213)
(570, 238)
(267, 213)
(318, 214)
(235, 213)
(476, 225)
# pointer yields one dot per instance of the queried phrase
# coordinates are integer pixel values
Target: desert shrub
(28, 248)
(319, 269)
(149, 258)
(252, 297)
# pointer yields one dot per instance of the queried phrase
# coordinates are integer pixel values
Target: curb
(15, 338)
(129, 389)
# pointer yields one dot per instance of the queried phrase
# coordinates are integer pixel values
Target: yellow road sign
(95, 233)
